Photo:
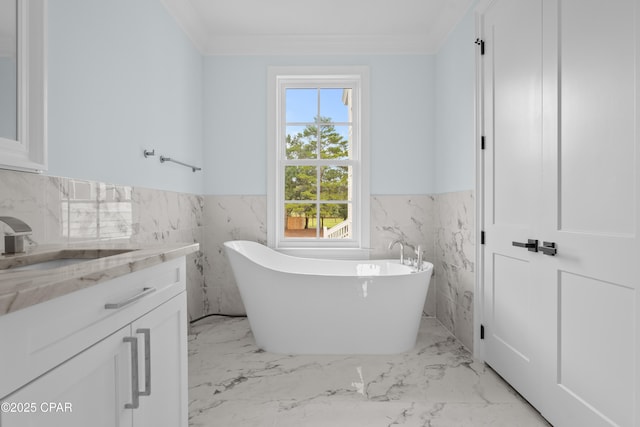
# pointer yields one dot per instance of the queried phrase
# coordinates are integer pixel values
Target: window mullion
(318, 167)
(322, 162)
(314, 123)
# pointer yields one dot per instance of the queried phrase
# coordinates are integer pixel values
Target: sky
(302, 107)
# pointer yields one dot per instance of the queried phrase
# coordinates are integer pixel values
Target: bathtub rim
(428, 267)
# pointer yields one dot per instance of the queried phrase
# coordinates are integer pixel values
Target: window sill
(327, 253)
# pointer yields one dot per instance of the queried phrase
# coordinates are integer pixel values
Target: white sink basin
(46, 265)
(55, 259)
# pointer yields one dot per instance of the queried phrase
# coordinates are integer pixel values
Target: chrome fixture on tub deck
(414, 262)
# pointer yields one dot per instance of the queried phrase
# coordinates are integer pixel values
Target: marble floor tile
(438, 383)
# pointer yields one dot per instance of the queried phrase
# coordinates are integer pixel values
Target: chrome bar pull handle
(120, 304)
(135, 398)
(548, 248)
(147, 361)
(531, 245)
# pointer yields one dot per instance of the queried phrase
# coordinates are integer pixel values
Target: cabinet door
(91, 389)
(162, 352)
(23, 122)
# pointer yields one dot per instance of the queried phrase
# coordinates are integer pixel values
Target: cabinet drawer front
(47, 334)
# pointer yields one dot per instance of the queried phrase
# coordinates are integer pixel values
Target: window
(318, 159)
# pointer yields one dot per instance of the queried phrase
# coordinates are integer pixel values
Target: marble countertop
(21, 289)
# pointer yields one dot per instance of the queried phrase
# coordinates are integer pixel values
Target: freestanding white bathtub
(316, 306)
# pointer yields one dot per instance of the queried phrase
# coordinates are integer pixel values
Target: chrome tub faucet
(398, 242)
(14, 242)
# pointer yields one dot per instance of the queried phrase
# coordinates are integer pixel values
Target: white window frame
(280, 78)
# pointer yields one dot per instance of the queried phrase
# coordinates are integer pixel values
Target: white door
(591, 210)
(575, 314)
(512, 109)
(91, 389)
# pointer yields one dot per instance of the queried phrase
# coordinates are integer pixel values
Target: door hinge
(481, 332)
(482, 237)
(482, 142)
(480, 43)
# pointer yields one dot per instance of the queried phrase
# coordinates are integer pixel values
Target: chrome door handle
(135, 398)
(531, 245)
(548, 248)
(147, 361)
(120, 304)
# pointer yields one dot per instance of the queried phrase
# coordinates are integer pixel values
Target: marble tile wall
(455, 262)
(409, 218)
(64, 210)
(229, 218)
(36, 200)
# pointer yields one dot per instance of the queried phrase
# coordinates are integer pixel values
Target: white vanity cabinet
(117, 357)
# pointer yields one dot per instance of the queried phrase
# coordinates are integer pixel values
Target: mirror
(8, 69)
(23, 89)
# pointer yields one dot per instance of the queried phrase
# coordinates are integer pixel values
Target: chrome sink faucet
(398, 242)
(14, 242)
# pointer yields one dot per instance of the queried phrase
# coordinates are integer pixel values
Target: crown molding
(207, 42)
(292, 44)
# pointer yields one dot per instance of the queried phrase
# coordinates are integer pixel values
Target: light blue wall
(123, 77)
(402, 121)
(455, 100)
